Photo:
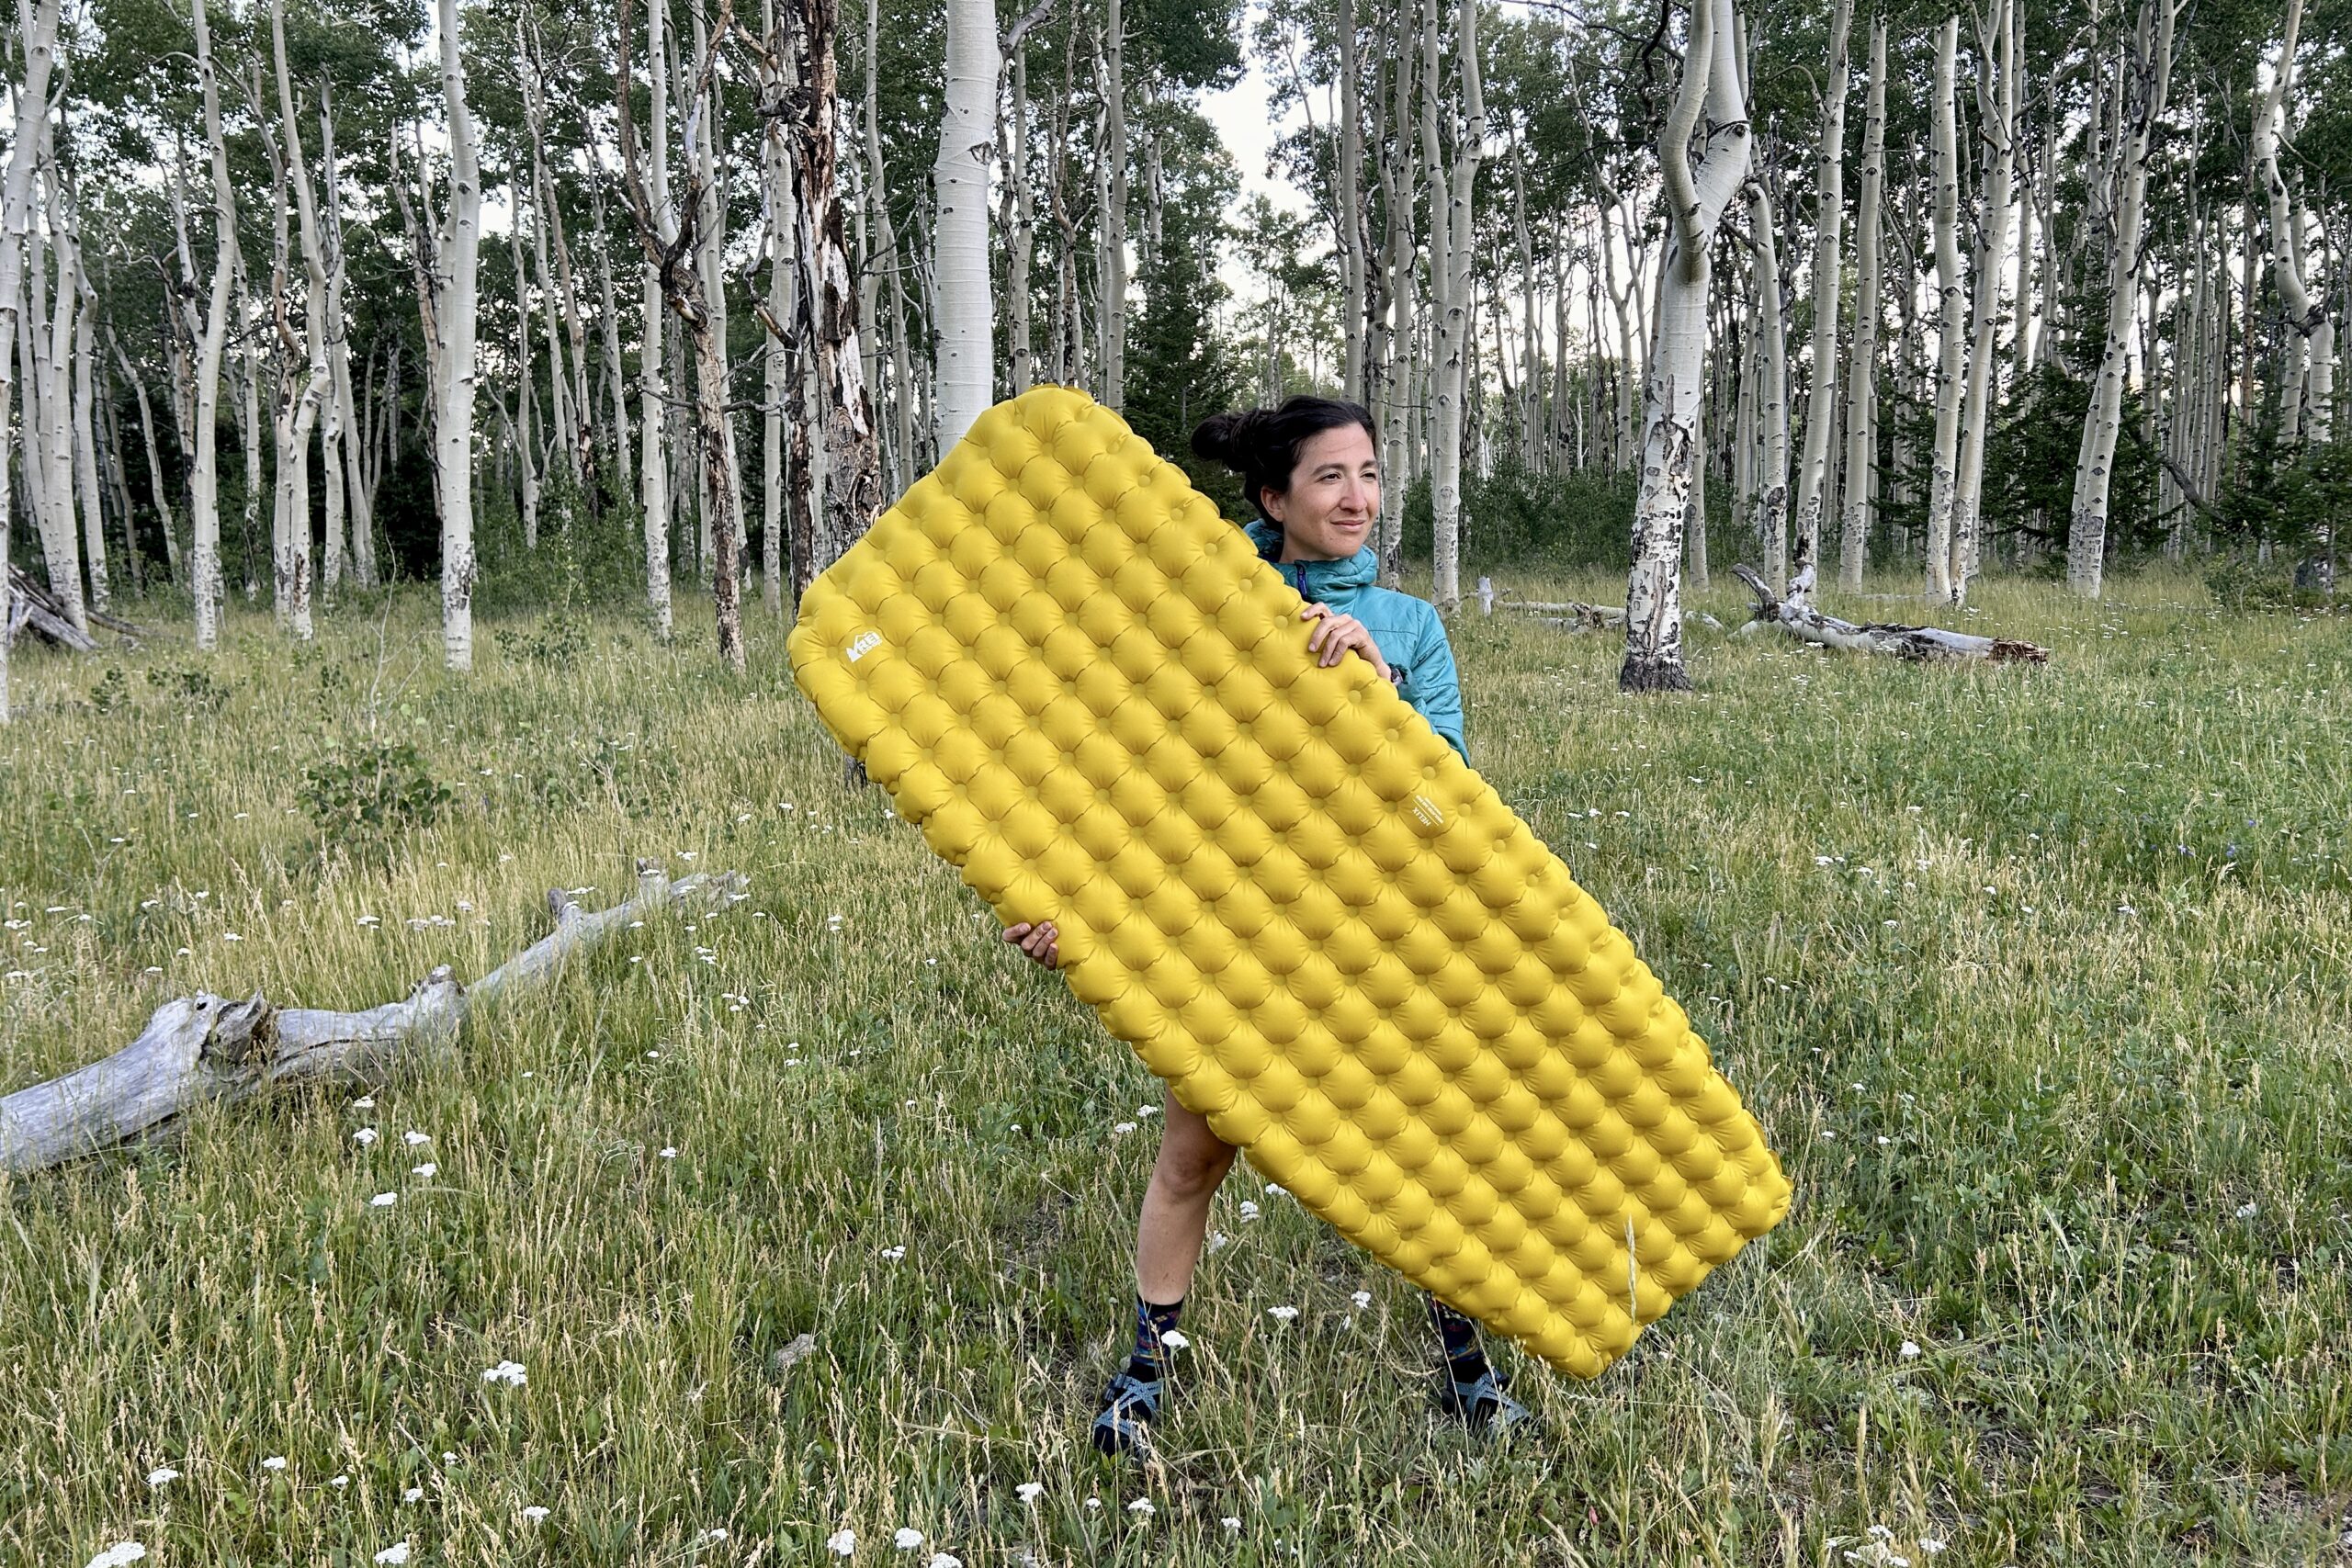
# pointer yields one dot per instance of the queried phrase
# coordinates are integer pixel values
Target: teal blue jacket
(1408, 630)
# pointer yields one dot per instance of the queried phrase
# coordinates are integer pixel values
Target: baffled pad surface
(1279, 885)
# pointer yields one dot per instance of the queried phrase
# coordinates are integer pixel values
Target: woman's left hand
(1336, 634)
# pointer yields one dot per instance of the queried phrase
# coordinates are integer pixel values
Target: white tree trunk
(293, 478)
(453, 425)
(48, 436)
(2306, 313)
(1772, 402)
(1349, 210)
(966, 353)
(37, 41)
(775, 356)
(2141, 102)
(1452, 242)
(1397, 181)
(1813, 473)
(204, 477)
(653, 405)
(85, 435)
(1997, 107)
(1672, 396)
(1862, 388)
(1021, 237)
(1945, 461)
(1112, 233)
(345, 436)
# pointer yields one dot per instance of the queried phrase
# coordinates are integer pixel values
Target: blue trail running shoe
(1127, 1403)
(1483, 1407)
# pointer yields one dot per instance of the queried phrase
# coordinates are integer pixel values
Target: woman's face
(1326, 514)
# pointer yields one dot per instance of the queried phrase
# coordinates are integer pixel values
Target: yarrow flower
(1029, 1491)
(841, 1543)
(383, 1199)
(118, 1554)
(1142, 1507)
(1283, 1314)
(908, 1539)
(161, 1475)
(534, 1513)
(275, 1461)
(508, 1372)
(396, 1552)
(365, 1136)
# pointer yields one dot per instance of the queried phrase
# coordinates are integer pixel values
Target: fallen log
(1921, 644)
(208, 1048)
(34, 608)
(1574, 615)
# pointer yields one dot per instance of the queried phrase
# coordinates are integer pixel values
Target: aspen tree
(2306, 312)
(964, 372)
(204, 478)
(1695, 199)
(38, 41)
(1813, 473)
(1453, 240)
(653, 405)
(1944, 470)
(1997, 104)
(1772, 387)
(2140, 103)
(458, 270)
(1861, 387)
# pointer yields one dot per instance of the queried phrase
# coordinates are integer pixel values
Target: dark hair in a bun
(1261, 445)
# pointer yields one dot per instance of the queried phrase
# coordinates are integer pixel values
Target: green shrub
(364, 794)
(112, 691)
(192, 689)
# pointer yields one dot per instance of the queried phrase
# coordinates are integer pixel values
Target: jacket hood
(1322, 579)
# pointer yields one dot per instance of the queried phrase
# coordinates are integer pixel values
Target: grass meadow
(814, 1217)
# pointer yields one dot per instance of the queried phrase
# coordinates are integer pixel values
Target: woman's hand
(1040, 942)
(1336, 634)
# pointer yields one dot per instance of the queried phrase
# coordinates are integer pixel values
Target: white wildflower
(511, 1374)
(1124, 1127)
(534, 1513)
(2247, 1211)
(1142, 1506)
(670, 1153)
(1908, 1350)
(1282, 1313)
(1361, 1300)
(1231, 1522)
(944, 1560)
(1029, 1491)
(275, 1461)
(428, 1169)
(162, 1474)
(117, 1555)
(908, 1538)
(413, 1494)
(383, 1199)
(894, 1253)
(365, 1136)
(841, 1543)
(415, 1139)
(396, 1552)
(1175, 1341)
(365, 1102)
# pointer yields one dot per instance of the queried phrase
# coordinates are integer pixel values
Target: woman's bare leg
(1192, 1162)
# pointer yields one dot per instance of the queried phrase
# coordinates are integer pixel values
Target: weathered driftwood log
(1918, 643)
(210, 1048)
(32, 608)
(1574, 615)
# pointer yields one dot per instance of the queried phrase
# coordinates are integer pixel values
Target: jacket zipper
(1300, 568)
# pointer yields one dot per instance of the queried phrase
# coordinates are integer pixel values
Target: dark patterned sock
(1150, 1361)
(1465, 1359)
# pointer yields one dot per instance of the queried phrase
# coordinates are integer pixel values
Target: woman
(1311, 470)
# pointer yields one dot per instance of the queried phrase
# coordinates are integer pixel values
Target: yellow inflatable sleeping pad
(1279, 885)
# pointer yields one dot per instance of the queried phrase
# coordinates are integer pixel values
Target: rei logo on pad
(866, 643)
